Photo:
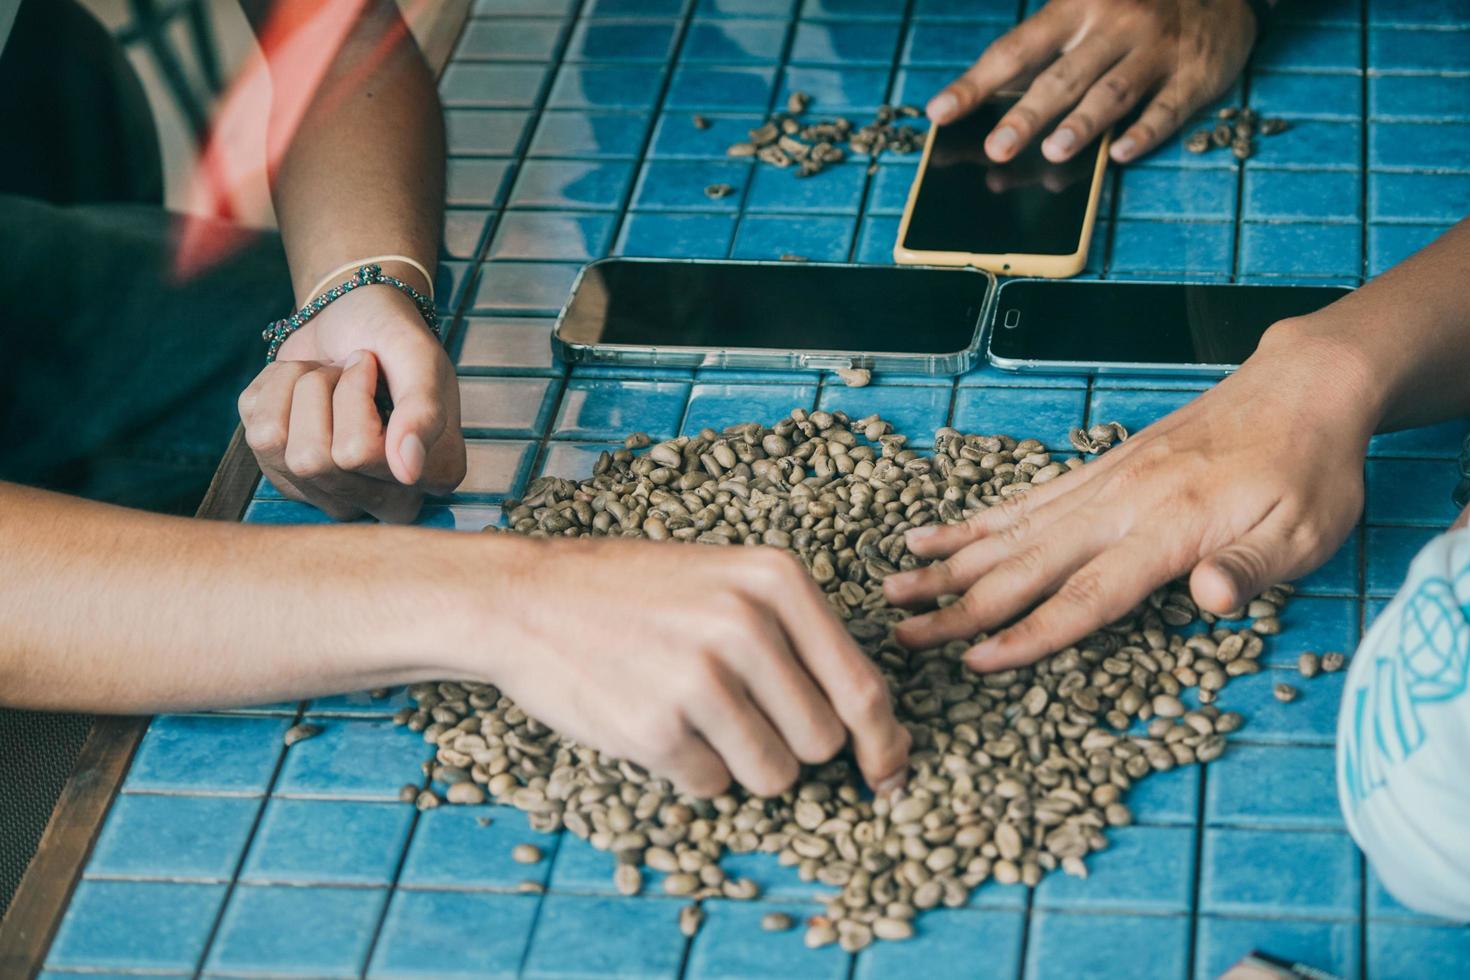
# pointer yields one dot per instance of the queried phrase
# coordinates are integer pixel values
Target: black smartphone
(777, 315)
(1025, 217)
(1140, 327)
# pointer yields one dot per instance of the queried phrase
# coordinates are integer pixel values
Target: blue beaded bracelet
(367, 275)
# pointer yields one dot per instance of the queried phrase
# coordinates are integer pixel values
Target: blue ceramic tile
(636, 938)
(1417, 951)
(685, 236)
(94, 975)
(571, 184)
(1388, 245)
(539, 8)
(207, 754)
(470, 84)
(523, 287)
(677, 138)
(304, 932)
(469, 847)
(360, 704)
(1338, 575)
(1309, 720)
(854, 9)
(542, 235)
(1279, 787)
(951, 944)
(1102, 947)
(583, 869)
(1143, 869)
(1178, 194)
(820, 239)
(464, 230)
(914, 411)
(1349, 13)
(734, 42)
(1410, 13)
(776, 883)
(1442, 441)
(950, 43)
(1409, 492)
(353, 759)
(196, 837)
(511, 344)
(1418, 197)
(634, 8)
(916, 86)
(1301, 249)
(1303, 195)
(718, 405)
(279, 511)
(837, 90)
(457, 518)
(428, 935)
(875, 241)
(302, 842)
(985, 375)
(1158, 246)
(1166, 798)
(844, 43)
(1279, 873)
(1025, 413)
(890, 188)
(1331, 947)
(731, 944)
(702, 87)
(451, 280)
(473, 181)
(505, 407)
(1136, 409)
(1313, 624)
(1418, 51)
(573, 133)
(1313, 143)
(609, 410)
(495, 468)
(1171, 152)
(487, 132)
(744, 8)
(135, 925)
(1390, 550)
(1419, 98)
(1317, 48)
(1307, 95)
(508, 39)
(679, 185)
(1420, 146)
(1382, 904)
(613, 40)
(612, 87)
(837, 190)
(999, 10)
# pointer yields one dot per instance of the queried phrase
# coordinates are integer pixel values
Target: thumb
(1237, 573)
(419, 415)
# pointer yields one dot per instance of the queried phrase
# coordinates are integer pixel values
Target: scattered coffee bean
(1198, 141)
(691, 917)
(1332, 662)
(1307, 664)
(465, 794)
(300, 733)
(793, 257)
(1284, 692)
(855, 377)
(483, 821)
(408, 792)
(526, 854)
(700, 122)
(784, 139)
(628, 879)
(1235, 128)
(530, 887)
(716, 191)
(776, 922)
(426, 800)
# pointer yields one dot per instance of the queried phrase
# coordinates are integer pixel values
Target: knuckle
(354, 453)
(309, 462)
(265, 438)
(1117, 89)
(1026, 564)
(1085, 590)
(868, 694)
(1082, 124)
(1022, 118)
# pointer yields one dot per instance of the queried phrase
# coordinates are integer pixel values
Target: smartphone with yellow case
(1025, 217)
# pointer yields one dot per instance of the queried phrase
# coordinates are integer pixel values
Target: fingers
(737, 730)
(425, 401)
(1101, 591)
(1032, 43)
(308, 455)
(1266, 554)
(265, 412)
(692, 765)
(357, 427)
(1169, 108)
(850, 681)
(790, 698)
(1105, 103)
(1053, 91)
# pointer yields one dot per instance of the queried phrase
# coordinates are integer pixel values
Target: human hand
(697, 662)
(313, 421)
(1256, 481)
(1099, 59)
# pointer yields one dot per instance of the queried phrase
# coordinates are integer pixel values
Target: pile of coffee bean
(785, 139)
(1236, 128)
(1013, 774)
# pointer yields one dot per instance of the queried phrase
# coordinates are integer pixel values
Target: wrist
(1328, 364)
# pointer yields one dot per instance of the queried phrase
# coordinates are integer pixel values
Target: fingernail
(412, 451)
(977, 655)
(942, 106)
(1062, 140)
(1002, 141)
(1123, 149)
(920, 534)
(892, 784)
(354, 360)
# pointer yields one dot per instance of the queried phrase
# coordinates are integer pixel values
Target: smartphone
(775, 315)
(1027, 217)
(1140, 327)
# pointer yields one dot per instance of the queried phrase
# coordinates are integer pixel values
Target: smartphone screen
(1116, 323)
(967, 203)
(775, 306)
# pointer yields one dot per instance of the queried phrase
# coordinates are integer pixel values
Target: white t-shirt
(1403, 737)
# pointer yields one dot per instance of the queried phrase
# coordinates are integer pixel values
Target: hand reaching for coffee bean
(1095, 61)
(699, 663)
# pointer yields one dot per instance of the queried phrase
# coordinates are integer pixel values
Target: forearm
(1401, 343)
(364, 173)
(110, 610)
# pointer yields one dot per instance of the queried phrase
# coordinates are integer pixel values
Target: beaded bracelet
(367, 275)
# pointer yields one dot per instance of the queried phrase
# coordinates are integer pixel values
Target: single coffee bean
(526, 854)
(300, 733)
(691, 917)
(1307, 664)
(776, 922)
(1332, 662)
(1284, 692)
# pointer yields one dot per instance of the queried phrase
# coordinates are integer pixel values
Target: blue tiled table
(570, 134)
